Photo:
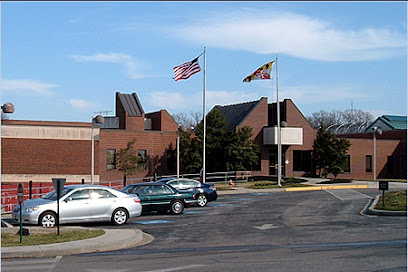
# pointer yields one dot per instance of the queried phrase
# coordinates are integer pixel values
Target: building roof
(131, 104)
(392, 122)
(235, 114)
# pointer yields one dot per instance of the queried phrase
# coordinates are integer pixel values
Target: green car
(161, 197)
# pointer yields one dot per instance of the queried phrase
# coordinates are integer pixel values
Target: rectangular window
(369, 164)
(348, 165)
(142, 154)
(302, 160)
(390, 165)
(111, 159)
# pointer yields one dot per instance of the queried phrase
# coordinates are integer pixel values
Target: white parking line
(176, 268)
(347, 194)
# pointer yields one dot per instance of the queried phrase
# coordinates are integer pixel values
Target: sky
(64, 61)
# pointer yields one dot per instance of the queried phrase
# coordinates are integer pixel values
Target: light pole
(180, 129)
(98, 120)
(375, 131)
(7, 107)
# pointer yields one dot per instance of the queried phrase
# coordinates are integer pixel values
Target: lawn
(265, 184)
(394, 201)
(9, 240)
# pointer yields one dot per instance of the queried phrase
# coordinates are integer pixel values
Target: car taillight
(136, 200)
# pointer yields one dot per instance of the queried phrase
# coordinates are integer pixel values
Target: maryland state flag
(263, 72)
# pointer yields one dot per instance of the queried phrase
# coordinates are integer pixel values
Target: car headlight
(30, 209)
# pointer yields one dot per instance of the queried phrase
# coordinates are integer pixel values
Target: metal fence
(36, 190)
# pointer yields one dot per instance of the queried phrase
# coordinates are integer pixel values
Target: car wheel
(176, 207)
(202, 200)
(48, 220)
(119, 217)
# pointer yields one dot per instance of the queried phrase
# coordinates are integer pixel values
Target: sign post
(383, 185)
(58, 185)
(20, 198)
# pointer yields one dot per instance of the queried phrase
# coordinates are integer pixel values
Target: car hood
(37, 202)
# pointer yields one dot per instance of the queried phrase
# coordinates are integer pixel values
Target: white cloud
(133, 67)
(318, 94)
(166, 100)
(27, 86)
(229, 97)
(293, 34)
(81, 104)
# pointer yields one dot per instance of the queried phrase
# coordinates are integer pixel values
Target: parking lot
(278, 231)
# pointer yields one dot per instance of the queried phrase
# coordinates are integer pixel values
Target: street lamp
(7, 107)
(97, 120)
(180, 129)
(378, 131)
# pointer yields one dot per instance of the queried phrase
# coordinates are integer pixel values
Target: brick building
(40, 151)
(298, 138)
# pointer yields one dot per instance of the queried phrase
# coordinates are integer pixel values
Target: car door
(144, 193)
(161, 197)
(75, 207)
(103, 203)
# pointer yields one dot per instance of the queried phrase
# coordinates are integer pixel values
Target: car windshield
(127, 189)
(53, 196)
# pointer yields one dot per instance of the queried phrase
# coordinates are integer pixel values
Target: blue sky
(64, 61)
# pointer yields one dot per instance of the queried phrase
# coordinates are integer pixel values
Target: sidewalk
(120, 238)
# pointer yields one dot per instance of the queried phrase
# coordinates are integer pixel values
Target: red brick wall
(295, 118)
(135, 122)
(162, 121)
(45, 156)
(155, 142)
(257, 120)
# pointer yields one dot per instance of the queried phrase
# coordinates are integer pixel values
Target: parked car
(78, 204)
(160, 197)
(205, 192)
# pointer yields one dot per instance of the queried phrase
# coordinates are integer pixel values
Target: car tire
(119, 217)
(176, 207)
(48, 220)
(202, 200)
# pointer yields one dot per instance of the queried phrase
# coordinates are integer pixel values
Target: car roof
(171, 179)
(89, 186)
(144, 183)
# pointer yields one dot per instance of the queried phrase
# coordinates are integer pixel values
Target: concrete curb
(242, 190)
(373, 211)
(113, 239)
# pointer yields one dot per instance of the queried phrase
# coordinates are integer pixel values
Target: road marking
(150, 222)
(52, 267)
(194, 212)
(176, 268)
(347, 194)
(266, 226)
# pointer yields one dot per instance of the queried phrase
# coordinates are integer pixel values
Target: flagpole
(278, 126)
(204, 117)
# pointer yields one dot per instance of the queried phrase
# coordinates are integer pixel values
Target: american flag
(185, 70)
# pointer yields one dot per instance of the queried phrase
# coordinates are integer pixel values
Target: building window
(302, 160)
(348, 164)
(390, 165)
(111, 159)
(142, 154)
(369, 164)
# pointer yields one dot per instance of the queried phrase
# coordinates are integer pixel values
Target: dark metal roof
(235, 114)
(396, 122)
(131, 104)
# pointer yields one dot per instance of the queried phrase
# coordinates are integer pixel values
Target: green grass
(9, 240)
(265, 184)
(394, 201)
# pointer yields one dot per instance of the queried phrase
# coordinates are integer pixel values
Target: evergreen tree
(330, 153)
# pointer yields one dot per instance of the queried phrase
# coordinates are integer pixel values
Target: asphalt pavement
(121, 238)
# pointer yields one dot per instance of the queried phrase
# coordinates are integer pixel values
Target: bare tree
(188, 120)
(341, 122)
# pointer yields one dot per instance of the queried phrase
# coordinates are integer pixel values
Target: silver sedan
(78, 204)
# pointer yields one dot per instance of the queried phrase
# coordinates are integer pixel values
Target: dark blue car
(205, 192)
